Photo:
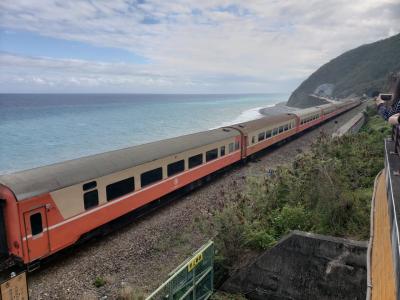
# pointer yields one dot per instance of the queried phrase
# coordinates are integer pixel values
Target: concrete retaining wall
(305, 266)
(352, 126)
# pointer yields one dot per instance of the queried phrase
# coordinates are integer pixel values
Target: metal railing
(393, 196)
(192, 280)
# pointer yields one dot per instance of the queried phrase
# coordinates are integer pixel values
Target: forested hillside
(358, 71)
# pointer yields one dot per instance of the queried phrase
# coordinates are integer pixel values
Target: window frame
(199, 163)
(113, 190)
(89, 205)
(34, 224)
(180, 169)
(211, 154)
(158, 170)
(231, 147)
(261, 136)
(222, 151)
(89, 185)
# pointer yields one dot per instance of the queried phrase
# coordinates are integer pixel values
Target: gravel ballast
(139, 256)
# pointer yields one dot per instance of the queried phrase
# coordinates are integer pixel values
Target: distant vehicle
(47, 209)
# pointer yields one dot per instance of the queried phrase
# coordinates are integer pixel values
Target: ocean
(41, 129)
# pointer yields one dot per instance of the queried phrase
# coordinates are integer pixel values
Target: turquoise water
(37, 130)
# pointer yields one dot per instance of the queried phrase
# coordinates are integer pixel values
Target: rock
(305, 266)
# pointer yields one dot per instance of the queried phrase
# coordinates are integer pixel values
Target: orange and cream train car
(47, 209)
(262, 133)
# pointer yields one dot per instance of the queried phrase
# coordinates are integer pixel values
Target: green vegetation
(99, 282)
(358, 71)
(327, 190)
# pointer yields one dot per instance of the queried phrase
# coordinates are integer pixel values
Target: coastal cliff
(356, 72)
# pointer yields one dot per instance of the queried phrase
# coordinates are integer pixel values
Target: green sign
(192, 280)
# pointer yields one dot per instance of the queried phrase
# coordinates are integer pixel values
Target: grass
(326, 190)
(99, 282)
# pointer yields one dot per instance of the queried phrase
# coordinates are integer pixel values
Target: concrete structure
(305, 266)
(352, 126)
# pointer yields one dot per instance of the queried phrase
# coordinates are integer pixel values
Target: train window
(151, 177)
(176, 168)
(237, 145)
(120, 188)
(231, 147)
(268, 134)
(212, 154)
(261, 136)
(253, 139)
(36, 223)
(286, 127)
(280, 129)
(275, 132)
(89, 185)
(195, 161)
(222, 150)
(90, 199)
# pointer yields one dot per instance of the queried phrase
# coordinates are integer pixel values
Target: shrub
(327, 190)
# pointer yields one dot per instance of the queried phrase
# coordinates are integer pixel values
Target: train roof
(263, 122)
(307, 111)
(328, 105)
(37, 181)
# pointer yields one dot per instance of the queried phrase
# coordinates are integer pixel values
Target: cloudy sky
(191, 46)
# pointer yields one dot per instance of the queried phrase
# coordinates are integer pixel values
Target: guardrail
(192, 280)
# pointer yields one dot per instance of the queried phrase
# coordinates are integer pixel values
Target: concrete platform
(352, 126)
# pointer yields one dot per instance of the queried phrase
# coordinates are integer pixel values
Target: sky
(191, 46)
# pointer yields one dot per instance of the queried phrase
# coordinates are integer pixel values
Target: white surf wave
(247, 115)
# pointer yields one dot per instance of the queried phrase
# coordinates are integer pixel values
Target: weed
(99, 282)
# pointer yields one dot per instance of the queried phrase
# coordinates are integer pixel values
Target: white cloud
(198, 46)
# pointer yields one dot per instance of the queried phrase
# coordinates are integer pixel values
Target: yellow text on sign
(195, 261)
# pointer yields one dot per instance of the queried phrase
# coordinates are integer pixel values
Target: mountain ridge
(359, 71)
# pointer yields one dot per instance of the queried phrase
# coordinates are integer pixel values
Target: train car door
(37, 235)
(245, 144)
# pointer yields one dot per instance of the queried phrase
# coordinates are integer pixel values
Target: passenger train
(47, 209)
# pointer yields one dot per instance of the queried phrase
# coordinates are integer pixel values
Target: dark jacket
(387, 112)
